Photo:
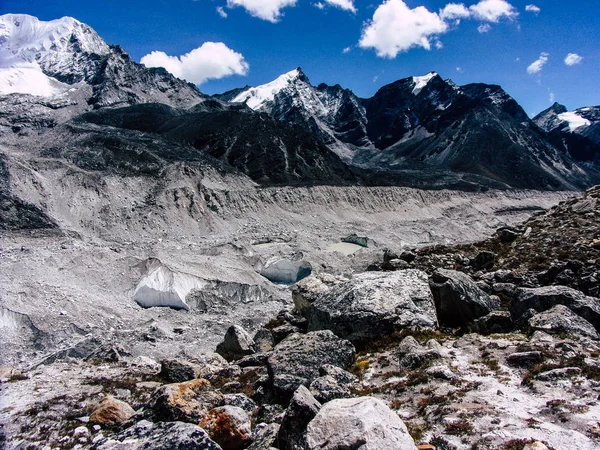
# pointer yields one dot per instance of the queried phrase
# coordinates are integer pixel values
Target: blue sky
(361, 45)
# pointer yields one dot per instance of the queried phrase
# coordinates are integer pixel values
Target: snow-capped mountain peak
(257, 96)
(30, 39)
(38, 57)
(421, 82)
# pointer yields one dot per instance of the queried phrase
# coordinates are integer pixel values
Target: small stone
(81, 433)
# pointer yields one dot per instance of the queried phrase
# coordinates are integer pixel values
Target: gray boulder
(146, 435)
(327, 388)
(178, 370)
(494, 322)
(458, 299)
(364, 423)
(236, 344)
(375, 304)
(544, 298)
(302, 409)
(483, 260)
(412, 355)
(561, 319)
(264, 436)
(263, 340)
(296, 360)
(240, 401)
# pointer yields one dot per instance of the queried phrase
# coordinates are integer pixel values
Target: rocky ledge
(492, 345)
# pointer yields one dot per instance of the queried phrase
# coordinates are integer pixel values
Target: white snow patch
(257, 96)
(574, 120)
(421, 82)
(29, 80)
(163, 287)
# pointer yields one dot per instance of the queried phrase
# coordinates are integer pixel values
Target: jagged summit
(421, 82)
(257, 97)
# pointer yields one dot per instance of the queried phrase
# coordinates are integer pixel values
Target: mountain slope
(268, 151)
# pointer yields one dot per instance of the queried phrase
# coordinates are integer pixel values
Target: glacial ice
(163, 287)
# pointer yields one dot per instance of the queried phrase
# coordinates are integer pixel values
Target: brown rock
(186, 402)
(111, 411)
(229, 426)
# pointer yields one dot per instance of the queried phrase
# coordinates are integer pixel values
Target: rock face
(546, 297)
(286, 271)
(561, 319)
(372, 305)
(296, 360)
(187, 402)
(458, 299)
(111, 411)
(229, 426)
(159, 436)
(302, 409)
(357, 423)
(236, 345)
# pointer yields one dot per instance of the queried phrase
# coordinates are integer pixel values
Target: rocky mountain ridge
(424, 123)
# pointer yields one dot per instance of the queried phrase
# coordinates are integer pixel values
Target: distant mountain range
(423, 131)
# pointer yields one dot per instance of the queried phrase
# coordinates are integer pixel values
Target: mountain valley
(167, 258)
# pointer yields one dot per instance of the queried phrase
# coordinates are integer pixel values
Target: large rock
(412, 355)
(186, 402)
(296, 360)
(561, 320)
(159, 436)
(364, 423)
(375, 304)
(264, 436)
(229, 426)
(236, 344)
(111, 411)
(458, 299)
(302, 409)
(544, 298)
(287, 271)
(178, 370)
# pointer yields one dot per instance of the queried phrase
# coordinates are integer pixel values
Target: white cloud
(221, 12)
(439, 45)
(346, 50)
(493, 10)
(536, 66)
(551, 97)
(459, 70)
(212, 60)
(573, 58)
(396, 28)
(454, 11)
(532, 8)
(269, 10)
(484, 28)
(319, 5)
(347, 5)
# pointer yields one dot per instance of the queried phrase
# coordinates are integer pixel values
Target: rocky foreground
(492, 345)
